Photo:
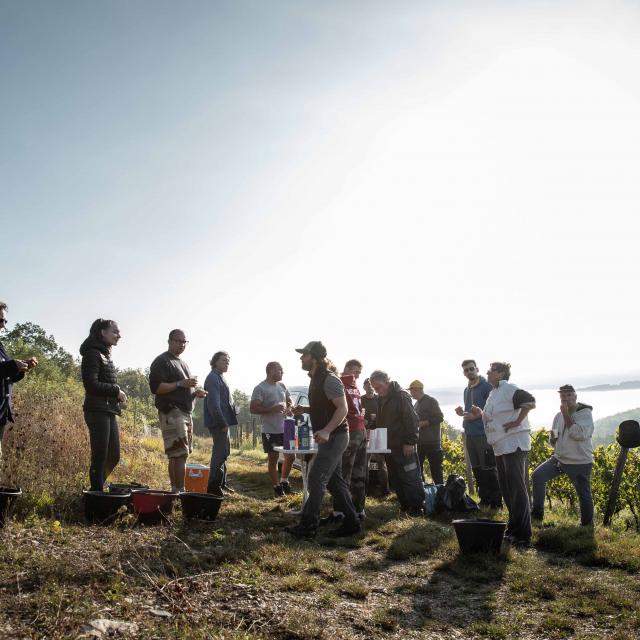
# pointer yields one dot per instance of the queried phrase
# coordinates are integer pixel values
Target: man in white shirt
(571, 436)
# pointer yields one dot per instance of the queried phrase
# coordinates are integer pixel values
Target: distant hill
(605, 428)
(629, 384)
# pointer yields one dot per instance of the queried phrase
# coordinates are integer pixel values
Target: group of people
(494, 413)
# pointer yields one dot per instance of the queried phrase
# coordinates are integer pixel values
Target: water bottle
(303, 436)
(289, 432)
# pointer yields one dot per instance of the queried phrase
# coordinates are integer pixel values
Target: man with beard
(328, 411)
(481, 456)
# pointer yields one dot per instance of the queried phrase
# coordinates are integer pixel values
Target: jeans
(219, 454)
(405, 480)
(354, 469)
(512, 476)
(326, 473)
(580, 476)
(105, 446)
(434, 455)
(483, 465)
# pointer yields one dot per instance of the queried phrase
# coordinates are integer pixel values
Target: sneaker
(278, 491)
(286, 487)
(300, 531)
(345, 530)
(332, 518)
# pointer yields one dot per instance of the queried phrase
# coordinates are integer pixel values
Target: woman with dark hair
(103, 398)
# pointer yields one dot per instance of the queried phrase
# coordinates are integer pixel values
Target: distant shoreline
(630, 384)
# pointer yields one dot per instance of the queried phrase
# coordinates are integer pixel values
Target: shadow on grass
(592, 547)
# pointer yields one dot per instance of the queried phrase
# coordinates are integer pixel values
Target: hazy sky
(412, 183)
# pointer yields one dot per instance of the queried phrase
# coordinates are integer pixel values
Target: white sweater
(574, 444)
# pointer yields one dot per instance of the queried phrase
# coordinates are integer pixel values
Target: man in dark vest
(328, 411)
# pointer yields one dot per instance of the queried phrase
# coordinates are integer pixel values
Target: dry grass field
(242, 577)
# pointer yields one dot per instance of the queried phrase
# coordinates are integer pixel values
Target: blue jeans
(406, 480)
(580, 476)
(219, 454)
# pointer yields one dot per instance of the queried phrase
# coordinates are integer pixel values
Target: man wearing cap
(481, 456)
(328, 411)
(429, 439)
(571, 435)
(395, 413)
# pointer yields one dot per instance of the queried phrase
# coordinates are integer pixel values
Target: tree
(135, 383)
(241, 402)
(29, 339)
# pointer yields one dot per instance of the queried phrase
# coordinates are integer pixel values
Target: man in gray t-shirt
(271, 400)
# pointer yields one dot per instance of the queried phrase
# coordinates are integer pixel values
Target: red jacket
(354, 415)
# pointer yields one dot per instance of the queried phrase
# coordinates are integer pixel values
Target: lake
(604, 403)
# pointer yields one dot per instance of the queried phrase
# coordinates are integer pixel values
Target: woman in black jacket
(103, 398)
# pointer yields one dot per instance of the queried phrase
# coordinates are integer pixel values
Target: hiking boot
(278, 491)
(346, 530)
(332, 518)
(301, 531)
(286, 487)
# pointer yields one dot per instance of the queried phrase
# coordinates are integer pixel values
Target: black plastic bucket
(8, 497)
(152, 506)
(129, 488)
(103, 507)
(203, 506)
(477, 536)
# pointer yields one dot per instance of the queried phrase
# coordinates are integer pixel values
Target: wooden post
(615, 485)
(467, 465)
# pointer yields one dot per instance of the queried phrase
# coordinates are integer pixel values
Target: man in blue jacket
(219, 415)
(10, 371)
(483, 461)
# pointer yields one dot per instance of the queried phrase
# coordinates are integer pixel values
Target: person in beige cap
(429, 435)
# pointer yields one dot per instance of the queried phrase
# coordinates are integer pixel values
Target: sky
(413, 183)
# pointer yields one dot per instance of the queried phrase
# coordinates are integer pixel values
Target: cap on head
(315, 348)
(416, 384)
(566, 388)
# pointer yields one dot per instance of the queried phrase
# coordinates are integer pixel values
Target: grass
(242, 578)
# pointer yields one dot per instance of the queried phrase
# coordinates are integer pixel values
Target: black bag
(452, 496)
